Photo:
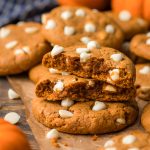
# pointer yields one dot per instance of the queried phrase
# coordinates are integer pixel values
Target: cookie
(67, 26)
(133, 140)
(145, 119)
(85, 117)
(130, 25)
(22, 46)
(127, 51)
(105, 64)
(37, 72)
(143, 81)
(140, 45)
(55, 85)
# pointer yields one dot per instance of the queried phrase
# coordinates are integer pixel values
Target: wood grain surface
(7, 105)
(25, 89)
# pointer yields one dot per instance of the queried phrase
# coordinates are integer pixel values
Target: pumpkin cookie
(37, 72)
(133, 140)
(145, 119)
(143, 81)
(55, 85)
(130, 25)
(140, 45)
(105, 64)
(67, 26)
(85, 117)
(22, 46)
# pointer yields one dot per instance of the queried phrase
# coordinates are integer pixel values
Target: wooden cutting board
(25, 88)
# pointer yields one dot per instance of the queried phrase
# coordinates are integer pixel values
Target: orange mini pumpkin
(11, 137)
(138, 8)
(97, 4)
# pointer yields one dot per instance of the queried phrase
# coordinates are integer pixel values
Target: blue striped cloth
(12, 11)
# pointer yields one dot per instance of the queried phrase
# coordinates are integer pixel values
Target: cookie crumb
(54, 142)
(94, 138)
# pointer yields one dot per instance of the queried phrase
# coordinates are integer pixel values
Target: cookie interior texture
(84, 120)
(98, 66)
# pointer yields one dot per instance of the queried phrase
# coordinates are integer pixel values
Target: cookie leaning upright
(67, 26)
(103, 63)
(21, 47)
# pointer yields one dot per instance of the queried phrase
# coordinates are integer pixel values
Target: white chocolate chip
(145, 70)
(91, 83)
(56, 50)
(65, 73)
(43, 19)
(84, 57)
(89, 27)
(51, 24)
(12, 117)
(134, 148)
(53, 133)
(12, 94)
(18, 52)
(92, 44)
(116, 57)
(114, 74)
(85, 40)
(121, 120)
(109, 28)
(81, 50)
(4, 32)
(110, 88)
(53, 71)
(98, 106)
(148, 34)
(20, 23)
(67, 102)
(111, 148)
(26, 49)
(11, 44)
(80, 13)
(65, 114)
(31, 30)
(59, 86)
(125, 15)
(148, 41)
(129, 139)
(68, 30)
(109, 143)
(66, 15)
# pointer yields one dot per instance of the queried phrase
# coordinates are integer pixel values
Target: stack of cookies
(85, 91)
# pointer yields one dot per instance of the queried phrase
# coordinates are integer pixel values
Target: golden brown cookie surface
(21, 47)
(140, 45)
(145, 119)
(67, 26)
(133, 140)
(84, 117)
(130, 25)
(143, 81)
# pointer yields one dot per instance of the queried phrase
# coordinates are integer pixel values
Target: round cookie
(67, 26)
(133, 140)
(145, 119)
(21, 47)
(140, 45)
(130, 25)
(37, 72)
(85, 117)
(142, 82)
